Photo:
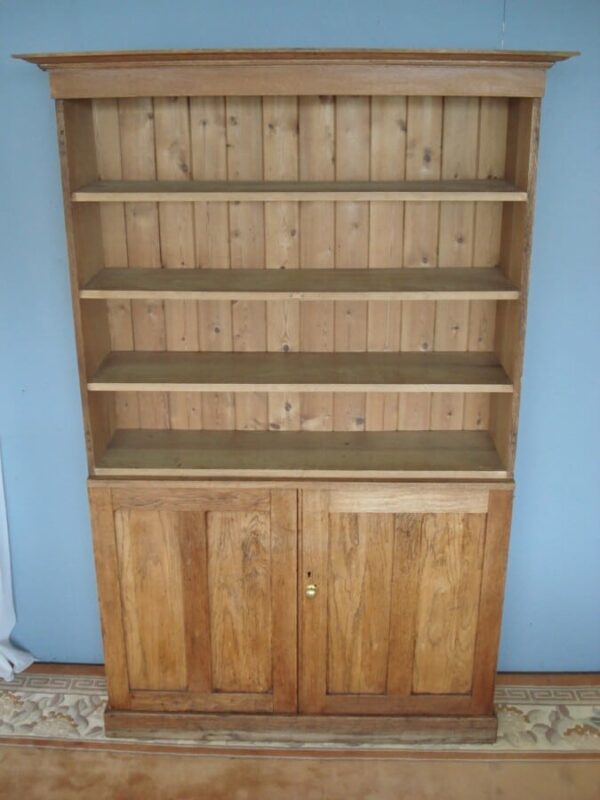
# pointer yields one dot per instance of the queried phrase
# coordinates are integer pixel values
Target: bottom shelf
(300, 454)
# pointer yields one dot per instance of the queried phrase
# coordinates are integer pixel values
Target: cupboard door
(400, 597)
(198, 597)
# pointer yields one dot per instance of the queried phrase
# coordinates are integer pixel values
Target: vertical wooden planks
(316, 116)
(386, 242)
(448, 605)
(459, 160)
(282, 249)
(239, 568)
(493, 117)
(352, 162)
(209, 162)
(136, 122)
(247, 243)
(114, 242)
(176, 221)
(359, 594)
(152, 598)
(421, 220)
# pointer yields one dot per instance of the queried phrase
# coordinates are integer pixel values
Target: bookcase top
(294, 56)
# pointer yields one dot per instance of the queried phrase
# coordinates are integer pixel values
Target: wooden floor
(34, 773)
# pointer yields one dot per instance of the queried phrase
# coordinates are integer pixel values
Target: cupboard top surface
(341, 55)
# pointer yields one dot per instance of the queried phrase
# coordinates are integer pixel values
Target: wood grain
(343, 190)
(239, 600)
(359, 603)
(448, 603)
(293, 454)
(152, 597)
(291, 284)
(295, 372)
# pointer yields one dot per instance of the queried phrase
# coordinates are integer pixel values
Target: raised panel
(200, 611)
(150, 575)
(359, 586)
(393, 626)
(448, 602)
(239, 588)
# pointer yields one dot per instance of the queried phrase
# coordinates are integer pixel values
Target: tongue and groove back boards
(307, 138)
(436, 180)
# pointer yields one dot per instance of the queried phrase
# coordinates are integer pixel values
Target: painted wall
(551, 617)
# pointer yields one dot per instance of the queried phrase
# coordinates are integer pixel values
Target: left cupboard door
(198, 595)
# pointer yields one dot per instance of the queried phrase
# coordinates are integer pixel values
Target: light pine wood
(521, 159)
(282, 244)
(78, 162)
(292, 284)
(300, 372)
(460, 126)
(247, 243)
(352, 161)
(211, 225)
(177, 246)
(107, 140)
(316, 148)
(421, 221)
(386, 241)
(285, 191)
(136, 121)
(316, 72)
(407, 454)
(299, 284)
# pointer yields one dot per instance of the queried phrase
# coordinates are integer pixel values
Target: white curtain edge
(12, 659)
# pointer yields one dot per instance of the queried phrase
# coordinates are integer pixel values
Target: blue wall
(551, 617)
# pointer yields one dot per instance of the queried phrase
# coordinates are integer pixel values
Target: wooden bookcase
(299, 288)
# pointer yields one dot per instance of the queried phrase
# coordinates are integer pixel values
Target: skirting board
(304, 729)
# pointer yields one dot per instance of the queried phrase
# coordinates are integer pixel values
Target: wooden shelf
(300, 372)
(178, 191)
(461, 283)
(406, 454)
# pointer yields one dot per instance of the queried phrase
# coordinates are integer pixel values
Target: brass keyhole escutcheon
(311, 591)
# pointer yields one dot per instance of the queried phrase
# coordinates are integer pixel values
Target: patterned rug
(532, 719)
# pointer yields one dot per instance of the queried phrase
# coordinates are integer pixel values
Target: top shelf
(273, 191)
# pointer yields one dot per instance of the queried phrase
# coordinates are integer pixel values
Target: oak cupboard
(299, 288)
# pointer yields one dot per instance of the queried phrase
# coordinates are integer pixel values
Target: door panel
(450, 565)
(151, 567)
(205, 610)
(359, 594)
(393, 624)
(239, 590)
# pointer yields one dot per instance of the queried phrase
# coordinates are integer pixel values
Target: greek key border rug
(69, 709)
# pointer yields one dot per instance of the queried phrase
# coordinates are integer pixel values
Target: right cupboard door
(400, 598)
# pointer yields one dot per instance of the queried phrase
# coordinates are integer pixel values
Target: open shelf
(178, 191)
(455, 283)
(300, 372)
(405, 454)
